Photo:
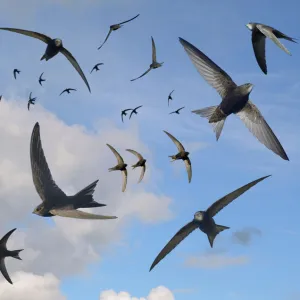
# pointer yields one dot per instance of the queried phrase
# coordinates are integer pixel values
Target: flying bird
(154, 64)
(170, 97)
(134, 111)
(7, 253)
(204, 221)
(16, 71)
(41, 79)
(123, 113)
(116, 27)
(259, 34)
(54, 201)
(96, 67)
(235, 99)
(53, 47)
(121, 166)
(68, 90)
(182, 154)
(176, 111)
(31, 101)
(141, 163)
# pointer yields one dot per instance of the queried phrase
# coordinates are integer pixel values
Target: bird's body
(41, 79)
(16, 71)
(31, 101)
(177, 111)
(124, 113)
(170, 97)
(96, 67)
(68, 91)
(141, 163)
(134, 111)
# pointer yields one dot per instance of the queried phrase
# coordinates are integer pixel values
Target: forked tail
(212, 236)
(15, 254)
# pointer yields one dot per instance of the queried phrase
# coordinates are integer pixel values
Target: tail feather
(212, 236)
(15, 254)
(92, 204)
(84, 198)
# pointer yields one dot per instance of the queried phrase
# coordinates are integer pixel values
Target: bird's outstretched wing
(110, 30)
(4, 271)
(153, 50)
(142, 173)
(142, 74)
(175, 141)
(5, 238)
(259, 47)
(77, 214)
(124, 184)
(138, 155)
(129, 20)
(188, 167)
(116, 153)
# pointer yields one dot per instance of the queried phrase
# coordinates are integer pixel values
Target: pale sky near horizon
(65, 259)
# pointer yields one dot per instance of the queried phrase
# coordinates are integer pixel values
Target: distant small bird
(182, 154)
(170, 97)
(0, 97)
(7, 253)
(154, 64)
(235, 100)
(140, 163)
(96, 67)
(204, 221)
(116, 27)
(259, 34)
(134, 111)
(54, 201)
(41, 79)
(30, 101)
(16, 71)
(177, 111)
(54, 46)
(68, 90)
(123, 113)
(121, 166)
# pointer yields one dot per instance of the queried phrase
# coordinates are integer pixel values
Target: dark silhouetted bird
(123, 113)
(259, 34)
(141, 163)
(16, 71)
(235, 100)
(154, 64)
(96, 67)
(54, 201)
(41, 79)
(7, 253)
(134, 111)
(68, 90)
(170, 97)
(30, 101)
(116, 27)
(176, 111)
(204, 221)
(54, 46)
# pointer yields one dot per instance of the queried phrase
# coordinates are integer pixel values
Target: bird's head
(247, 88)
(58, 43)
(250, 25)
(187, 153)
(199, 216)
(39, 210)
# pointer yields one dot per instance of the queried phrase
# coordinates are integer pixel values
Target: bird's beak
(34, 212)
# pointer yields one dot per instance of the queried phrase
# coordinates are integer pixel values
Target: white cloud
(159, 293)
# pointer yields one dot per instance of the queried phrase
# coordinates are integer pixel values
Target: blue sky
(267, 266)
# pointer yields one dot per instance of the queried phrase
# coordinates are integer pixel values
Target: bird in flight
(154, 64)
(31, 101)
(41, 79)
(115, 27)
(96, 67)
(123, 113)
(16, 71)
(170, 97)
(235, 100)
(54, 201)
(176, 111)
(134, 111)
(141, 163)
(205, 222)
(54, 46)
(259, 34)
(68, 90)
(182, 154)
(7, 253)
(121, 166)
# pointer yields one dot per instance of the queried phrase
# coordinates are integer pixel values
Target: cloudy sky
(109, 260)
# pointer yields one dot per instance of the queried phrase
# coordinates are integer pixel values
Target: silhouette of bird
(96, 67)
(154, 64)
(54, 201)
(123, 113)
(115, 27)
(41, 79)
(16, 71)
(177, 111)
(141, 163)
(259, 34)
(204, 221)
(7, 253)
(30, 101)
(170, 97)
(0, 97)
(68, 90)
(235, 100)
(54, 46)
(134, 111)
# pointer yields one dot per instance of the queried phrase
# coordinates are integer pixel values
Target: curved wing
(178, 237)
(180, 108)
(129, 20)
(224, 201)
(142, 74)
(15, 75)
(77, 214)
(4, 271)
(63, 92)
(142, 173)
(138, 155)
(175, 141)
(40, 36)
(28, 105)
(259, 47)
(188, 167)
(124, 184)
(75, 64)
(41, 175)
(110, 30)
(255, 122)
(4, 240)
(153, 50)
(210, 71)
(171, 93)
(116, 153)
